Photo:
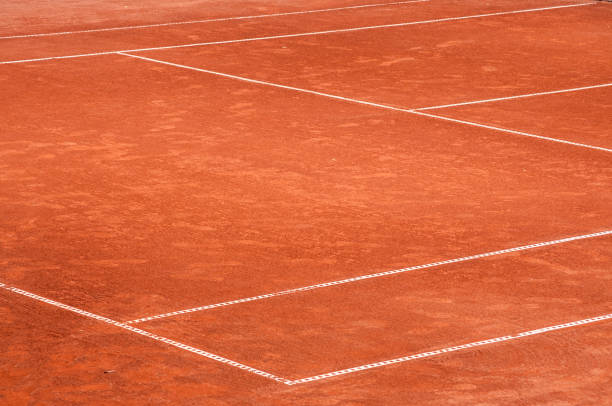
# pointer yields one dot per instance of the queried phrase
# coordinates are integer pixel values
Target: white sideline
(368, 276)
(347, 99)
(520, 96)
(144, 333)
(490, 127)
(211, 20)
(450, 349)
(372, 27)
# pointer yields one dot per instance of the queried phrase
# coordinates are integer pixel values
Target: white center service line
(212, 20)
(369, 276)
(304, 34)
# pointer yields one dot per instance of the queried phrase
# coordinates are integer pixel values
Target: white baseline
(369, 276)
(212, 20)
(304, 34)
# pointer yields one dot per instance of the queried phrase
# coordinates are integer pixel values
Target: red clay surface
(129, 188)
(150, 202)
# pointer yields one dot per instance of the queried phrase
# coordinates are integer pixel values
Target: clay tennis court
(306, 202)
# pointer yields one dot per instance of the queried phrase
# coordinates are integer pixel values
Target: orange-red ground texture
(131, 188)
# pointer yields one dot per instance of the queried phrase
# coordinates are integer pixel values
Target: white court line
(520, 96)
(384, 106)
(372, 27)
(490, 127)
(152, 336)
(451, 349)
(211, 20)
(369, 276)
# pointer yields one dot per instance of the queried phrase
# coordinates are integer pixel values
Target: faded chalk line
(152, 336)
(351, 100)
(450, 349)
(212, 20)
(369, 276)
(520, 96)
(490, 127)
(372, 27)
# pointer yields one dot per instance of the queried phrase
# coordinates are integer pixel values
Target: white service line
(520, 96)
(384, 106)
(211, 20)
(141, 332)
(369, 276)
(450, 349)
(304, 34)
(490, 127)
